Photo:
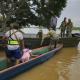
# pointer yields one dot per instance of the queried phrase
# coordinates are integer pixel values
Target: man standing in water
(14, 44)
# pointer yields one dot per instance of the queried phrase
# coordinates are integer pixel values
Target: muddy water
(63, 66)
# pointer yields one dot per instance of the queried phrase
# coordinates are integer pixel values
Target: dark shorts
(16, 54)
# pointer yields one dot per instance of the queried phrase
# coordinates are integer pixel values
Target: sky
(72, 11)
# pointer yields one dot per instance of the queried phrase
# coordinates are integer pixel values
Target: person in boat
(69, 27)
(40, 34)
(63, 27)
(26, 55)
(15, 43)
(53, 37)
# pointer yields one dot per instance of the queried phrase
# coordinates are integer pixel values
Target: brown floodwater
(63, 66)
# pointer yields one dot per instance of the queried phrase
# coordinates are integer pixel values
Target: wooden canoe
(43, 54)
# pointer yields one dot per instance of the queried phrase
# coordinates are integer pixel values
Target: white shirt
(53, 21)
(19, 37)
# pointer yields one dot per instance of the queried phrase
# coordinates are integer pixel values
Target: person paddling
(14, 44)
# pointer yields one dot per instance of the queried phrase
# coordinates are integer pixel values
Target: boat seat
(41, 51)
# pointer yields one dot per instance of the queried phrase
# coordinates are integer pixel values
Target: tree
(36, 12)
(45, 9)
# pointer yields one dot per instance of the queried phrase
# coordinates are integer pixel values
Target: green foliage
(36, 12)
(76, 28)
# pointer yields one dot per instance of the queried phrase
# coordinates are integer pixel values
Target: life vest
(12, 41)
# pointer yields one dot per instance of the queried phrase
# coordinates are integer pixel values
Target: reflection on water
(78, 47)
(63, 66)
